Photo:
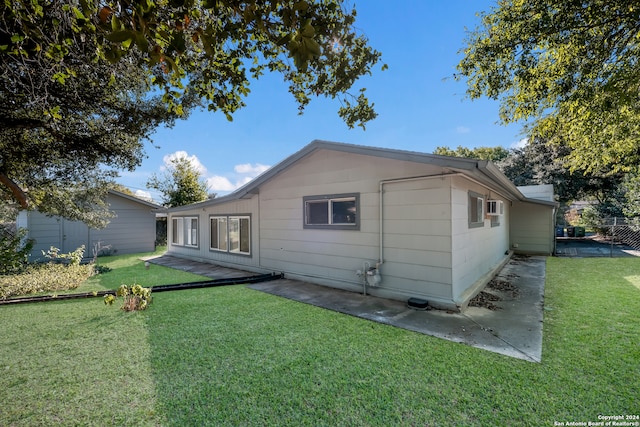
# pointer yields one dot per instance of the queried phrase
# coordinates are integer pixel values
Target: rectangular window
(317, 213)
(219, 233)
(339, 211)
(184, 231)
(177, 237)
(231, 234)
(476, 210)
(192, 231)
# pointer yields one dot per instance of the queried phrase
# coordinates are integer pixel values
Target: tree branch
(18, 193)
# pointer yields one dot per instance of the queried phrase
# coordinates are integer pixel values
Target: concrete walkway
(513, 328)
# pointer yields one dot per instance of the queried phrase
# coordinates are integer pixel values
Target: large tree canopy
(203, 48)
(570, 69)
(541, 163)
(83, 83)
(61, 142)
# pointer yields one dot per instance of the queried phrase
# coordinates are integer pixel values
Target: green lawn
(234, 356)
(130, 269)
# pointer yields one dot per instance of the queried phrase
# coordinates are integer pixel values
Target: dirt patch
(485, 300)
(501, 285)
(504, 286)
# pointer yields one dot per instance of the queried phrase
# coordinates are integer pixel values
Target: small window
(476, 210)
(332, 212)
(231, 234)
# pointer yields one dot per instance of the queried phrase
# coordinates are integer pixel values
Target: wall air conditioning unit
(495, 207)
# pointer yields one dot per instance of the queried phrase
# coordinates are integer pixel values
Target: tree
(84, 84)
(181, 184)
(569, 69)
(495, 154)
(631, 190)
(202, 48)
(61, 142)
(541, 163)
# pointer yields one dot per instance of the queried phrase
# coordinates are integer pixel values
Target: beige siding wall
(477, 252)
(417, 238)
(132, 230)
(532, 228)
(202, 252)
(46, 231)
(429, 249)
(417, 246)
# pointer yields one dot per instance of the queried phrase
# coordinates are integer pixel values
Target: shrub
(14, 251)
(135, 297)
(44, 278)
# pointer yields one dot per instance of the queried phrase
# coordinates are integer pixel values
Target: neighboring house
(131, 230)
(395, 224)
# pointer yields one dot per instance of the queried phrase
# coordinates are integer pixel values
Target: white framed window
(337, 211)
(476, 210)
(218, 229)
(177, 236)
(184, 231)
(231, 233)
(192, 231)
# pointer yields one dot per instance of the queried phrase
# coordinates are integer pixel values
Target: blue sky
(419, 104)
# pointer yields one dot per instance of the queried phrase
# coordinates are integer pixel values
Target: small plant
(74, 257)
(102, 250)
(135, 297)
(101, 269)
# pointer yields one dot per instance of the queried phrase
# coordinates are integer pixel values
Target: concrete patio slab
(513, 328)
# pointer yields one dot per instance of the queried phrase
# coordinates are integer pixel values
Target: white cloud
(183, 154)
(462, 129)
(220, 183)
(248, 169)
(144, 195)
(224, 183)
(520, 144)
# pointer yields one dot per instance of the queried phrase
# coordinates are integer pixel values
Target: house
(131, 230)
(391, 223)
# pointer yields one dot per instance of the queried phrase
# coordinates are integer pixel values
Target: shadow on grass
(234, 356)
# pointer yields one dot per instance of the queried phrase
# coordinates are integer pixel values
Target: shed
(131, 230)
(391, 223)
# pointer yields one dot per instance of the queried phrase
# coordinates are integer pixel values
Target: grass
(235, 356)
(130, 269)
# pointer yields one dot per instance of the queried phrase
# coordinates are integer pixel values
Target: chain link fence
(621, 230)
